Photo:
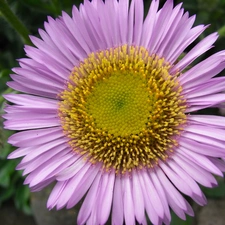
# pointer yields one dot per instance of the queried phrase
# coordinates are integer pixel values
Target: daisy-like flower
(107, 112)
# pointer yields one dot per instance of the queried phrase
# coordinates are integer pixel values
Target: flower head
(108, 111)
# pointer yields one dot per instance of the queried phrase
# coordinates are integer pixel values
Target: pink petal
(117, 210)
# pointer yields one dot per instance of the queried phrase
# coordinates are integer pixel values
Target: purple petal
(117, 210)
(105, 200)
(84, 185)
(35, 137)
(197, 173)
(138, 198)
(89, 200)
(149, 24)
(128, 201)
(195, 52)
(200, 160)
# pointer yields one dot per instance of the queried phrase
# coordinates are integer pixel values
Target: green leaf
(14, 21)
(42, 6)
(6, 169)
(221, 31)
(6, 193)
(5, 73)
(4, 146)
(22, 198)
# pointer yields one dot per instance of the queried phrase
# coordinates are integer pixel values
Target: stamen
(123, 108)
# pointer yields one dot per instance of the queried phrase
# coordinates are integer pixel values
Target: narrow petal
(105, 199)
(55, 193)
(197, 173)
(118, 210)
(149, 24)
(208, 120)
(35, 137)
(83, 186)
(128, 201)
(88, 203)
(200, 160)
(162, 196)
(195, 52)
(138, 198)
(153, 196)
(151, 212)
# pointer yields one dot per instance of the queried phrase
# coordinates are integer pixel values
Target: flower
(108, 111)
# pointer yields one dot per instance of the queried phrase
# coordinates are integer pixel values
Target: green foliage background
(33, 13)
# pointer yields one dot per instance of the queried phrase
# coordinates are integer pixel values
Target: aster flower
(108, 112)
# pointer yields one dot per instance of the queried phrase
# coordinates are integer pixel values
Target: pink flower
(108, 112)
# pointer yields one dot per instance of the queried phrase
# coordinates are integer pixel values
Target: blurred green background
(33, 13)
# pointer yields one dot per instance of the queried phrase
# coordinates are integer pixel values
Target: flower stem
(14, 21)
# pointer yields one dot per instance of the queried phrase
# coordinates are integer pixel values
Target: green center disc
(119, 104)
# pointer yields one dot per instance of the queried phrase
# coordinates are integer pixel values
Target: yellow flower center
(122, 108)
(118, 104)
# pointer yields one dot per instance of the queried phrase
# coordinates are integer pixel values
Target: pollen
(122, 108)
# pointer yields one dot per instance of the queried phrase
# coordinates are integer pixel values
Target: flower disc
(123, 108)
